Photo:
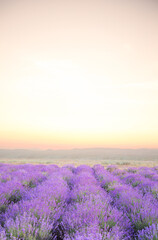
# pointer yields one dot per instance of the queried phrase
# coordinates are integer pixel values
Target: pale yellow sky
(78, 73)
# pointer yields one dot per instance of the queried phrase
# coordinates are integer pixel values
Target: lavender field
(47, 202)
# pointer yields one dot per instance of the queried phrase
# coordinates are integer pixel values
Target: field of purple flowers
(45, 202)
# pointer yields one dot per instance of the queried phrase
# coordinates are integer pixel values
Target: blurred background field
(78, 162)
(121, 157)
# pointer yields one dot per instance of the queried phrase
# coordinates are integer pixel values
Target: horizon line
(88, 148)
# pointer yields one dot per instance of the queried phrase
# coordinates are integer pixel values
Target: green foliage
(3, 208)
(14, 197)
(30, 184)
(135, 184)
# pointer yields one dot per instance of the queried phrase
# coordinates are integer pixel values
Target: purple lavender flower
(47, 202)
(149, 233)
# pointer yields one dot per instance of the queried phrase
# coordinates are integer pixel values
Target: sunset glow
(78, 74)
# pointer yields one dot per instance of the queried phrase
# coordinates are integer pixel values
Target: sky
(78, 74)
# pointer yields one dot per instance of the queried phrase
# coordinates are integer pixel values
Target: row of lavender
(45, 202)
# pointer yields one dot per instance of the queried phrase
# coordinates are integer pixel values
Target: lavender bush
(47, 202)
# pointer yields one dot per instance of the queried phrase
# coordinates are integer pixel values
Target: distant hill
(86, 153)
